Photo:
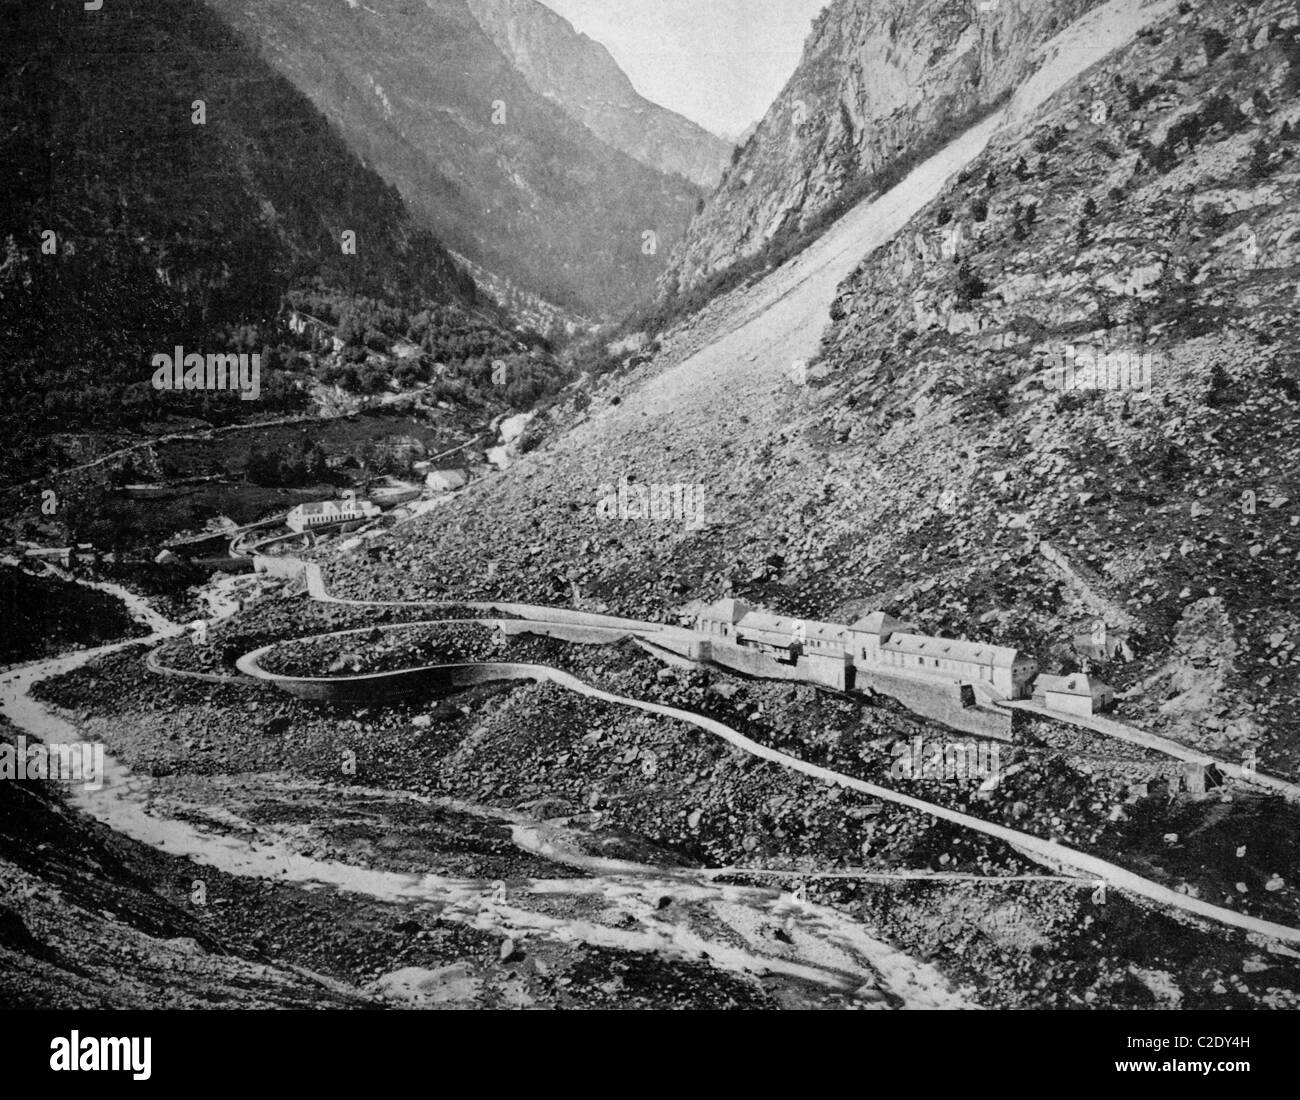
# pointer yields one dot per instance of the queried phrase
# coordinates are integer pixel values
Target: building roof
(1077, 684)
(727, 611)
(827, 632)
(330, 507)
(878, 622)
(785, 624)
(762, 620)
(979, 653)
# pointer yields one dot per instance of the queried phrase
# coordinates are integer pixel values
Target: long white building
(875, 642)
(326, 513)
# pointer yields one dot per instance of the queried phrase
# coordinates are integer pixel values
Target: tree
(1220, 385)
(1260, 161)
(315, 463)
(263, 468)
(352, 327)
(1215, 43)
(1022, 220)
(969, 285)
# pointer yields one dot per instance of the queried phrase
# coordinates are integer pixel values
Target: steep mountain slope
(1153, 209)
(880, 80)
(581, 76)
(499, 172)
(165, 231)
(925, 469)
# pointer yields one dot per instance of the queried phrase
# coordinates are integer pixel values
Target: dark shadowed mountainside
(127, 228)
(499, 172)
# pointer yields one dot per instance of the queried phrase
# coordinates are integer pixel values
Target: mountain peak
(581, 76)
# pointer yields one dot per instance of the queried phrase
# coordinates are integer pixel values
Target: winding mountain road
(1050, 854)
(822, 951)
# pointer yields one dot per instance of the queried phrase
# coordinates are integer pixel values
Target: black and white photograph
(653, 507)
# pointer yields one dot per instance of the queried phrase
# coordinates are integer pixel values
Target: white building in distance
(327, 513)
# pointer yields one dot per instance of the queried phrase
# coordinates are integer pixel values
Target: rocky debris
(393, 650)
(924, 466)
(455, 984)
(872, 84)
(700, 801)
(704, 803)
(272, 620)
(936, 464)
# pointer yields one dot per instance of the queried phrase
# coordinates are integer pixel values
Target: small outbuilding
(1077, 694)
(720, 619)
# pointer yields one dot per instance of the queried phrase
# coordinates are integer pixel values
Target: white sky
(718, 62)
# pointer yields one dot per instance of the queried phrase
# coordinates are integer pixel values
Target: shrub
(1049, 139)
(530, 440)
(1260, 166)
(1215, 42)
(992, 392)
(969, 285)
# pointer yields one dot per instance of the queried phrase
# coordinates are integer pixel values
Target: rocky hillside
(589, 778)
(1149, 207)
(879, 81)
(580, 75)
(498, 171)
